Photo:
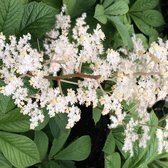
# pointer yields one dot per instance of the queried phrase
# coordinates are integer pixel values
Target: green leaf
(107, 3)
(54, 3)
(18, 149)
(113, 160)
(59, 164)
(151, 153)
(58, 124)
(142, 5)
(144, 27)
(96, 112)
(55, 130)
(122, 29)
(58, 143)
(14, 121)
(77, 150)
(38, 18)
(144, 40)
(117, 8)
(70, 5)
(10, 16)
(6, 104)
(151, 17)
(61, 120)
(67, 164)
(119, 140)
(41, 141)
(162, 155)
(99, 14)
(109, 146)
(24, 1)
(153, 120)
(77, 7)
(163, 164)
(51, 164)
(4, 162)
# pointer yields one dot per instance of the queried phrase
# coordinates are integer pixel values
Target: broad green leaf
(24, 1)
(61, 120)
(116, 43)
(77, 150)
(6, 104)
(151, 17)
(144, 27)
(117, 8)
(109, 146)
(51, 164)
(54, 3)
(144, 40)
(121, 28)
(14, 121)
(10, 16)
(54, 128)
(142, 5)
(119, 140)
(153, 120)
(96, 112)
(67, 164)
(127, 1)
(151, 153)
(58, 164)
(70, 5)
(163, 164)
(41, 141)
(4, 163)
(38, 18)
(58, 124)
(107, 3)
(77, 7)
(58, 143)
(162, 155)
(18, 149)
(83, 6)
(113, 160)
(99, 14)
(153, 165)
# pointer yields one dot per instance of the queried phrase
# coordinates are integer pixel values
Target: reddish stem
(80, 75)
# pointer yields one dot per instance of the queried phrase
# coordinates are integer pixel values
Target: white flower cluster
(138, 75)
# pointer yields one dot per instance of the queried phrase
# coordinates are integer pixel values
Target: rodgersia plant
(137, 75)
(103, 78)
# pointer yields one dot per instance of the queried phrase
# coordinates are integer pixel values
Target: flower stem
(80, 75)
(60, 88)
(70, 82)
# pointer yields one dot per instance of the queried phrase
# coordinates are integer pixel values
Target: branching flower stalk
(23, 66)
(75, 75)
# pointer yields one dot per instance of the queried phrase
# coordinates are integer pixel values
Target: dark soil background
(98, 136)
(164, 8)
